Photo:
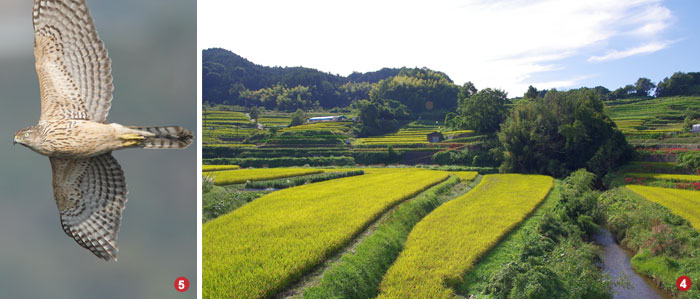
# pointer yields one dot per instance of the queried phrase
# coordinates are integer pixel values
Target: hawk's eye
(26, 134)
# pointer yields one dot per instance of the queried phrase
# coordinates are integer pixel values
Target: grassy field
(684, 203)
(268, 243)
(240, 176)
(447, 242)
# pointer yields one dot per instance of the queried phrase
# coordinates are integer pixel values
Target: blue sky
(500, 44)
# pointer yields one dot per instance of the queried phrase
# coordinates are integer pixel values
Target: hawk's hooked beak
(15, 141)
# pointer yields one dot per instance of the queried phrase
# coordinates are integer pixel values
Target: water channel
(616, 262)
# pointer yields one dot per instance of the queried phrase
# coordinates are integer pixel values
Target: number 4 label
(683, 283)
(182, 284)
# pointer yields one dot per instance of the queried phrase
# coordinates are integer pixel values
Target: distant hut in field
(333, 118)
(696, 128)
(435, 137)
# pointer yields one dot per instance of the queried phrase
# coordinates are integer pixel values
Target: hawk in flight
(76, 93)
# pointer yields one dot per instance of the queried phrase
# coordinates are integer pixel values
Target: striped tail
(165, 137)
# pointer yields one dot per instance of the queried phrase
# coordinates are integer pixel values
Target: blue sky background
(507, 44)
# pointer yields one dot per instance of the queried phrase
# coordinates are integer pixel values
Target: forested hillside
(228, 78)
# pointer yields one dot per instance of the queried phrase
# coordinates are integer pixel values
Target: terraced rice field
(656, 115)
(466, 176)
(224, 126)
(414, 133)
(683, 203)
(263, 246)
(206, 168)
(663, 176)
(458, 132)
(448, 242)
(275, 121)
(240, 176)
(325, 126)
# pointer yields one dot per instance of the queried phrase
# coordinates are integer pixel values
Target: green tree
(560, 133)
(466, 90)
(378, 118)
(643, 87)
(679, 84)
(484, 111)
(298, 118)
(531, 93)
(420, 90)
(691, 117)
(254, 113)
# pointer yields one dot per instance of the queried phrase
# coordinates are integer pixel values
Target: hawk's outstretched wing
(75, 73)
(90, 194)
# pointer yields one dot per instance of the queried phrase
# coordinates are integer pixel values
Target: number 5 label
(182, 284)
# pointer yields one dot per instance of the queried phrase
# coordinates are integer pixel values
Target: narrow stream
(616, 261)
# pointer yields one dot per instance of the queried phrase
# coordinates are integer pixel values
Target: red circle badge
(683, 283)
(182, 284)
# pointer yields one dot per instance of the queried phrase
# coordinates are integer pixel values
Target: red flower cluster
(638, 181)
(665, 151)
(688, 186)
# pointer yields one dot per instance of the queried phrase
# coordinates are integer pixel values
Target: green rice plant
(262, 247)
(206, 168)
(283, 161)
(684, 203)
(240, 176)
(448, 242)
(324, 126)
(663, 176)
(298, 181)
(358, 274)
(413, 133)
(466, 176)
(477, 279)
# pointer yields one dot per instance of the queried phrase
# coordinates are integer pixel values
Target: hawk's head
(29, 137)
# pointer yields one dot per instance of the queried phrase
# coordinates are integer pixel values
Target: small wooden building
(435, 137)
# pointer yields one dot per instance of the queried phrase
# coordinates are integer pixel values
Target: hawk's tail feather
(165, 137)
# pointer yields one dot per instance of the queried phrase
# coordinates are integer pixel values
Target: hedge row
(282, 162)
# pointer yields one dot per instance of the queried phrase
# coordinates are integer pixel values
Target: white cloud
(501, 44)
(643, 49)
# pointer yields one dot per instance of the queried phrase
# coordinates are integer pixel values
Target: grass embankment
(265, 245)
(358, 274)
(666, 245)
(240, 176)
(448, 241)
